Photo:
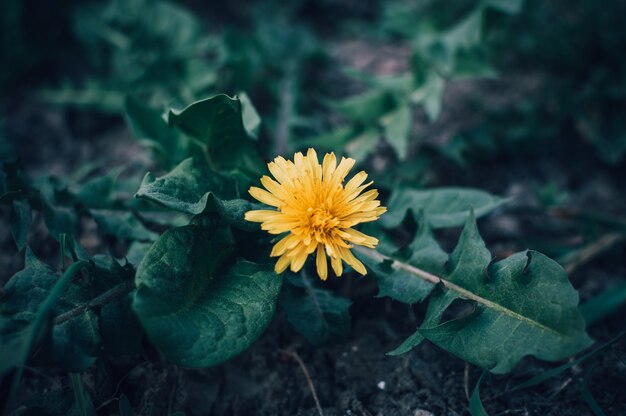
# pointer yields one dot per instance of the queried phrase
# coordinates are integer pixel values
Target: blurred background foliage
(91, 54)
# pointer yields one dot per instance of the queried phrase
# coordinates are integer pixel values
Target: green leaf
(522, 305)
(397, 129)
(476, 405)
(74, 344)
(193, 188)
(197, 310)
(30, 298)
(505, 6)
(321, 316)
(546, 375)
(363, 144)
(251, 119)
(153, 131)
(397, 282)
(187, 187)
(217, 122)
(125, 408)
(444, 207)
(604, 304)
(120, 329)
(98, 192)
(59, 220)
(123, 225)
(368, 107)
(21, 217)
(83, 404)
(430, 95)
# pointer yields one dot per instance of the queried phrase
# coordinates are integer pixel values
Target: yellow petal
(335, 262)
(320, 263)
(264, 196)
(261, 215)
(282, 263)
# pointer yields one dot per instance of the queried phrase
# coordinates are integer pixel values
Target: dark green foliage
(522, 305)
(195, 307)
(321, 316)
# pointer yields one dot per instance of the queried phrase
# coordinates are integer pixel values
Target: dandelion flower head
(316, 211)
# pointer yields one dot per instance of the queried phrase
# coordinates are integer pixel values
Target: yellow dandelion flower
(317, 211)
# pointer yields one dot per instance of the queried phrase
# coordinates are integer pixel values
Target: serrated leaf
(21, 217)
(523, 305)
(217, 122)
(398, 283)
(197, 310)
(444, 207)
(123, 225)
(319, 315)
(397, 129)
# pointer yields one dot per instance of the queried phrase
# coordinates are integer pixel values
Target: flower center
(321, 220)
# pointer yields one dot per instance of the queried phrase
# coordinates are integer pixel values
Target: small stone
(381, 385)
(421, 412)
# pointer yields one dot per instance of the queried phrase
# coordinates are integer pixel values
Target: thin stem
(309, 381)
(108, 296)
(429, 277)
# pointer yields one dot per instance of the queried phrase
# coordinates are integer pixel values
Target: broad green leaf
(137, 251)
(397, 283)
(21, 217)
(187, 187)
(368, 107)
(444, 207)
(193, 188)
(604, 304)
(318, 314)
(197, 309)
(217, 122)
(123, 225)
(397, 129)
